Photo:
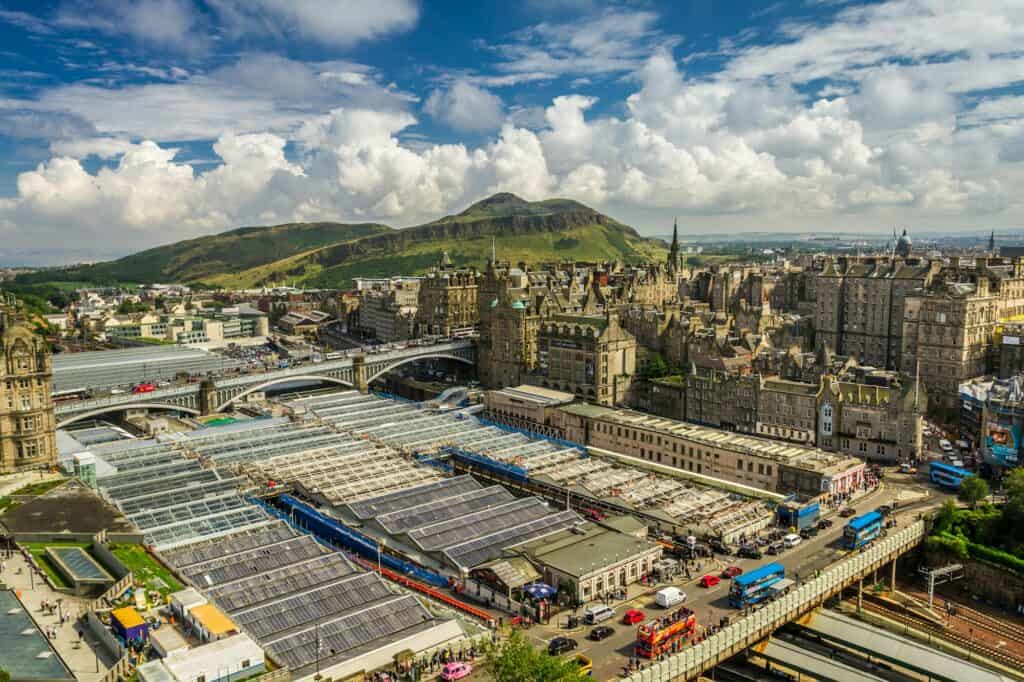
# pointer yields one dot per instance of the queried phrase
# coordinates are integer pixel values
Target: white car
(946, 445)
(792, 540)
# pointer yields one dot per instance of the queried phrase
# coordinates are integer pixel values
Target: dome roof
(903, 244)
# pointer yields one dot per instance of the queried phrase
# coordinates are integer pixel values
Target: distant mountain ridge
(330, 254)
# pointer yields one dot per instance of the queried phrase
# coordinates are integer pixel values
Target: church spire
(673, 251)
(992, 243)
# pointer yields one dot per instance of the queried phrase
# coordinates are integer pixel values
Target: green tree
(973, 490)
(4, 676)
(656, 366)
(1013, 483)
(516, 660)
(946, 516)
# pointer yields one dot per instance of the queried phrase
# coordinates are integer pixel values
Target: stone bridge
(209, 396)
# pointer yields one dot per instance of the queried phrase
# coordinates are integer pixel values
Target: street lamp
(380, 548)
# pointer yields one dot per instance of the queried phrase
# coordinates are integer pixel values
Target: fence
(101, 633)
(113, 592)
(747, 631)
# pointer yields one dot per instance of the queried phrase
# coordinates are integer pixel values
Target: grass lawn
(40, 487)
(38, 550)
(7, 503)
(146, 569)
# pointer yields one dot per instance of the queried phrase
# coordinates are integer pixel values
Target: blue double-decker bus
(947, 475)
(751, 588)
(862, 529)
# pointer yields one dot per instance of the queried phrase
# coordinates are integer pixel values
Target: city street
(710, 605)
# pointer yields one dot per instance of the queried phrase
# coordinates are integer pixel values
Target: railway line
(973, 645)
(1002, 628)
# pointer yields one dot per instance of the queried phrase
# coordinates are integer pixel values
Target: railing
(113, 592)
(748, 630)
(82, 405)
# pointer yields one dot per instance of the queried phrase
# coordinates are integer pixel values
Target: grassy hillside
(523, 231)
(331, 254)
(197, 259)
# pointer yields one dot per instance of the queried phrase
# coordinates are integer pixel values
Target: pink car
(456, 670)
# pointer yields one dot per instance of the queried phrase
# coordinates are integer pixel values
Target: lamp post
(380, 548)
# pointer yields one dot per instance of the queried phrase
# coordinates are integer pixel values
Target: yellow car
(586, 665)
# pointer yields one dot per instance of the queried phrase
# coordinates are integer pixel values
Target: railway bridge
(746, 631)
(216, 394)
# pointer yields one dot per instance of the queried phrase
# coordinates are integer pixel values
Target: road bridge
(214, 395)
(746, 631)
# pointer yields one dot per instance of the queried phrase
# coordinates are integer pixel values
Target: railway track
(1002, 628)
(922, 624)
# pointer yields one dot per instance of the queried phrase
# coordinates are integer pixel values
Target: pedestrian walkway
(86, 660)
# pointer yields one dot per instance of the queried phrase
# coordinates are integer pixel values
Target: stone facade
(590, 356)
(447, 300)
(27, 425)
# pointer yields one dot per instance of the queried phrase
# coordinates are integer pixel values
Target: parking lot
(711, 604)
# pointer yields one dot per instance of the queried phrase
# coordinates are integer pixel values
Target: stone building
(859, 306)
(786, 410)
(950, 327)
(447, 301)
(591, 356)
(509, 321)
(872, 414)
(389, 313)
(27, 423)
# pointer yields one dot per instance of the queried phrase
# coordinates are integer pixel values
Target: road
(710, 605)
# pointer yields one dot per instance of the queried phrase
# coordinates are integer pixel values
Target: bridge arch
(284, 380)
(123, 407)
(430, 356)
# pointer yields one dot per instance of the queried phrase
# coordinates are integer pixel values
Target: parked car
(808, 533)
(601, 632)
(559, 645)
(731, 572)
(719, 547)
(824, 523)
(632, 617)
(709, 580)
(776, 548)
(792, 540)
(749, 552)
(456, 670)
(847, 512)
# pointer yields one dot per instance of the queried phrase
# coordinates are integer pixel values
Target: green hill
(194, 260)
(522, 231)
(331, 254)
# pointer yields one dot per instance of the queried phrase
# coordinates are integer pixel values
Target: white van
(596, 614)
(791, 540)
(668, 597)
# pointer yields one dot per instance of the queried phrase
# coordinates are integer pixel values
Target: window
(739, 464)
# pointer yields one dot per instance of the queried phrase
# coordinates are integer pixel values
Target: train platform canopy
(109, 368)
(69, 508)
(24, 652)
(902, 651)
(811, 663)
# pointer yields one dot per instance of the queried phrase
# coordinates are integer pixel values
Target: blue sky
(128, 124)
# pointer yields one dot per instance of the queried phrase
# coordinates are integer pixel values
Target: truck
(801, 517)
(668, 597)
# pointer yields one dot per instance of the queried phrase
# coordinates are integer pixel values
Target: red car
(144, 388)
(731, 572)
(709, 580)
(632, 617)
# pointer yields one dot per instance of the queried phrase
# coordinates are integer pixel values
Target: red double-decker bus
(666, 633)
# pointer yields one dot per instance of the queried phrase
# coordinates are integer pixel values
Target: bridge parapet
(748, 630)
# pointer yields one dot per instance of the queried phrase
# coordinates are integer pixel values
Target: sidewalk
(12, 482)
(81, 659)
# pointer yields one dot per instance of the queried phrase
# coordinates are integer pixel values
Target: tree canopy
(516, 660)
(973, 490)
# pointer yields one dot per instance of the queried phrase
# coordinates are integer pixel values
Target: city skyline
(168, 119)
